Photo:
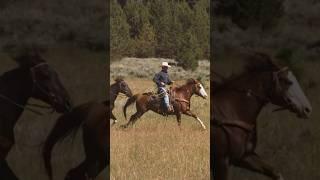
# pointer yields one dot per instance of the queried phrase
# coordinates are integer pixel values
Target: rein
(19, 105)
(240, 124)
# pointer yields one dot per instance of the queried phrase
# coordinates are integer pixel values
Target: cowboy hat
(165, 64)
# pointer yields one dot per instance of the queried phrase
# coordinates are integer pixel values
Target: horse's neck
(15, 90)
(114, 91)
(184, 92)
(244, 99)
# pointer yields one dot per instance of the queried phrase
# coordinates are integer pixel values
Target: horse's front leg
(254, 163)
(178, 115)
(113, 118)
(189, 113)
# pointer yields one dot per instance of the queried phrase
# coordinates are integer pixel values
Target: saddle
(158, 98)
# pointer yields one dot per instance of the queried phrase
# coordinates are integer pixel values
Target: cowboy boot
(170, 109)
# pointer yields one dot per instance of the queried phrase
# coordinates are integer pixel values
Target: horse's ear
(190, 81)
(199, 79)
(283, 71)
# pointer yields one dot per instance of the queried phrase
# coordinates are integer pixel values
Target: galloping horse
(180, 97)
(120, 86)
(92, 116)
(237, 104)
(33, 78)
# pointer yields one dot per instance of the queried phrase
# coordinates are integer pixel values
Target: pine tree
(189, 52)
(119, 31)
(145, 43)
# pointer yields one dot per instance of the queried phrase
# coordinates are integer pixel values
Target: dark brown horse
(92, 117)
(120, 86)
(34, 78)
(237, 104)
(180, 99)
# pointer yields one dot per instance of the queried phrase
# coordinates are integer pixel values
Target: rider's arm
(156, 79)
(169, 81)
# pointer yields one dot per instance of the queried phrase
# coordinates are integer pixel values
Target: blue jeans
(163, 92)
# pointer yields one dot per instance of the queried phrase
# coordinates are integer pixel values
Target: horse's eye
(288, 82)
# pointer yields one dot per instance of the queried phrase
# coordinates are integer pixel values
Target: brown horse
(237, 104)
(34, 78)
(92, 117)
(120, 86)
(180, 99)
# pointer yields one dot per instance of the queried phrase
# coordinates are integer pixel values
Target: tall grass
(155, 147)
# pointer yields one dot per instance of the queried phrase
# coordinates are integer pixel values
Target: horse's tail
(131, 100)
(65, 125)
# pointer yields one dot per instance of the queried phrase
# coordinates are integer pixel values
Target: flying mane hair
(28, 59)
(255, 62)
(258, 62)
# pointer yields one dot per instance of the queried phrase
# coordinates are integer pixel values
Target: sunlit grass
(156, 148)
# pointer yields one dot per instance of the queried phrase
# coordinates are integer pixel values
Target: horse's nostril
(307, 110)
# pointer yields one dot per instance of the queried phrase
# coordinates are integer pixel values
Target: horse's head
(123, 87)
(288, 94)
(198, 88)
(47, 86)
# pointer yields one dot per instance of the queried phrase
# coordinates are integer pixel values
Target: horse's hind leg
(178, 115)
(133, 119)
(77, 173)
(254, 163)
(96, 153)
(95, 168)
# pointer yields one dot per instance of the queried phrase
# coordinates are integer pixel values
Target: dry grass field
(290, 144)
(83, 75)
(155, 147)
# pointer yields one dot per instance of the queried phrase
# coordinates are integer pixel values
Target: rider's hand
(162, 83)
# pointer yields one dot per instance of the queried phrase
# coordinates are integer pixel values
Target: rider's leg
(166, 98)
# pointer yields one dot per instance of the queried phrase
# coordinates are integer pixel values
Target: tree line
(161, 28)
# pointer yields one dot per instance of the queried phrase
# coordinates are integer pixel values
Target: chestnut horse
(34, 78)
(237, 104)
(179, 96)
(120, 86)
(92, 117)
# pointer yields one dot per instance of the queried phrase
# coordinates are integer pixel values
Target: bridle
(35, 85)
(125, 91)
(35, 82)
(124, 94)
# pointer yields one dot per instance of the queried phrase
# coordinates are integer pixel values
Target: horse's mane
(119, 79)
(28, 59)
(256, 62)
(25, 54)
(260, 62)
(187, 82)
